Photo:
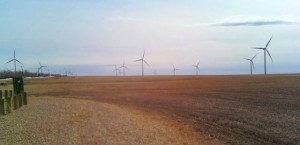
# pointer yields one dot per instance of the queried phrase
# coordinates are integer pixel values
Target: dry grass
(234, 109)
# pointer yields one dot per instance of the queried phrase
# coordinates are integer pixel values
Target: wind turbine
(40, 69)
(143, 61)
(265, 50)
(124, 67)
(117, 70)
(174, 69)
(251, 62)
(197, 67)
(14, 60)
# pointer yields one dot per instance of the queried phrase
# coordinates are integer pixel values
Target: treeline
(9, 74)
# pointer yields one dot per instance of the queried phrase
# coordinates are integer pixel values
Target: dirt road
(49, 120)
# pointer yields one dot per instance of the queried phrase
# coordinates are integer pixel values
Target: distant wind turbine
(117, 70)
(143, 61)
(265, 50)
(124, 67)
(14, 60)
(40, 69)
(68, 72)
(197, 67)
(251, 63)
(175, 69)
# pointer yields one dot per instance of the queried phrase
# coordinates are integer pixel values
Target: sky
(89, 37)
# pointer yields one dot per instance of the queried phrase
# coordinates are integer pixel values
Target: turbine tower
(15, 62)
(265, 50)
(174, 70)
(251, 63)
(124, 67)
(143, 61)
(197, 67)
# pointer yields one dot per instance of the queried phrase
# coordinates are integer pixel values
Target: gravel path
(49, 120)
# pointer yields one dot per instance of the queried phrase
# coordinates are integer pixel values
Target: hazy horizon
(90, 37)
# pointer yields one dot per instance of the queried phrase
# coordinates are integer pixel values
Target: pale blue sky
(88, 36)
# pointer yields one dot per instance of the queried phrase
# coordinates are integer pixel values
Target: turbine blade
(123, 67)
(143, 54)
(9, 61)
(14, 53)
(269, 42)
(19, 61)
(145, 62)
(254, 57)
(269, 54)
(247, 59)
(257, 48)
(138, 60)
(252, 64)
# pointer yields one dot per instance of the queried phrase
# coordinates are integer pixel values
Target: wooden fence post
(8, 105)
(20, 100)
(5, 94)
(8, 100)
(2, 110)
(5, 99)
(10, 93)
(15, 102)
(25, 98)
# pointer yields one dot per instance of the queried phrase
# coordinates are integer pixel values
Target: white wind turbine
(174, 70)
(143, 61)
(117, 70)
(251, 63)
(197, 67)
(15, 61)
(265, 50)
(124, 67)
(40, 69)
